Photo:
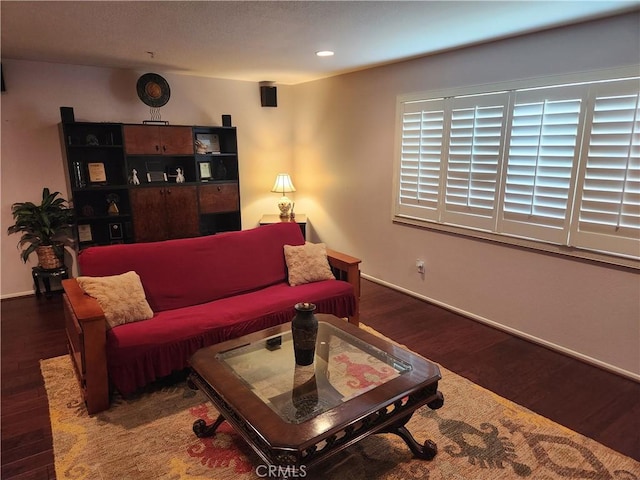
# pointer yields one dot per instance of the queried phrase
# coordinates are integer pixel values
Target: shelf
(94, 147)
(214, 155)
(159, 155)
(94, 188)
(125, 216)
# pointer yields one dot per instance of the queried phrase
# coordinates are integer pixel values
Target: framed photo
(156, 177)
(84, 232)
(155, 171)
(115, 231)
(97, 173)
(205, 171)
(207, 143)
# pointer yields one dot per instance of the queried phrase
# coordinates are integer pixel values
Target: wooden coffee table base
(391, 418)
(427, 451)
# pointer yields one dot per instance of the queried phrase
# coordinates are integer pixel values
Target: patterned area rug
(479, 435)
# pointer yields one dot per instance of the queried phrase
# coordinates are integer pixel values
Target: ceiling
(266, 40)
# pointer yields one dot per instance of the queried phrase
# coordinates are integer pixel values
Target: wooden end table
(295, 417)
(299, 218)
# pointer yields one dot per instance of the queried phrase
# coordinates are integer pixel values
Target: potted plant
(45, 228)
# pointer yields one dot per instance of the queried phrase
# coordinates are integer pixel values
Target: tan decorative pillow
(307, 263)
(121, 297)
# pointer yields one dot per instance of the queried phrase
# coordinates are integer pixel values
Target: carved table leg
(429, 449)
(425, 452)
(202, 430)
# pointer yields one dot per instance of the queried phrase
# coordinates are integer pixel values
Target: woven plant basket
(47, 258)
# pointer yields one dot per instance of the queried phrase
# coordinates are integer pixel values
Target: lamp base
(285, 207)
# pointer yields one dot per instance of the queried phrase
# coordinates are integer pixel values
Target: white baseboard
(18, 294)
(513, 331)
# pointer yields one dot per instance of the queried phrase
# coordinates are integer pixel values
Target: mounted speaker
(66, 115)
(268, 96)
(226, 120)
(4, 89)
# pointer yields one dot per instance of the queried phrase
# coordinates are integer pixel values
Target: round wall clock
(153, 90)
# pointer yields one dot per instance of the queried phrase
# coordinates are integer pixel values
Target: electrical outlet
(420, 266)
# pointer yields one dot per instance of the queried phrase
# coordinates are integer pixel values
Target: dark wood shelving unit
(101, 160)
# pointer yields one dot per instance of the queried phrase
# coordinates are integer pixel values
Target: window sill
(570, 252)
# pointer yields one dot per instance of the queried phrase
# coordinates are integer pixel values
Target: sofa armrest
(85, 326)
(347, 268)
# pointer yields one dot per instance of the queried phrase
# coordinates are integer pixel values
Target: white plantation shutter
(420, 159)
(556, 164)
(609, 207)
(541, 163)
(475, 149)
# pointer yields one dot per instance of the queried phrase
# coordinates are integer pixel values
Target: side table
(300, 219)
(46, 274)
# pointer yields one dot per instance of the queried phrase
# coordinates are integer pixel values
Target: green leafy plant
(47, 224)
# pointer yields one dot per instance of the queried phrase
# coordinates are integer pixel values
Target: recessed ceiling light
(325, 53)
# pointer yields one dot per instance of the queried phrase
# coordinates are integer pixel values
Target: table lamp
(283, 185)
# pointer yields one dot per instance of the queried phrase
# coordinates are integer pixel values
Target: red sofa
(202, 291)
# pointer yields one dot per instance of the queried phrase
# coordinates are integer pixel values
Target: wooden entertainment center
(142, 183)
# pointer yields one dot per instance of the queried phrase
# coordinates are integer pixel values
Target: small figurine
(201, 147)
(179, 176)
(133, 179)
(92, 140)
(112, 209)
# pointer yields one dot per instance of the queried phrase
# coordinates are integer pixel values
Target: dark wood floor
(596, 403)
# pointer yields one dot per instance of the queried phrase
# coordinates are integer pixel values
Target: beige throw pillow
(121, 297)
(307, 263)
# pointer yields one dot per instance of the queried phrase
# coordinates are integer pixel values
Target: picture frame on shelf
(207, 143)
(205, 171)
(84, 233)
(153, 177)
(155, 171)
(97, 173)
(115, 231)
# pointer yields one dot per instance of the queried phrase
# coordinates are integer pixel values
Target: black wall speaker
(226, 120)
(66, 114)
(4, 89)
(268, 96)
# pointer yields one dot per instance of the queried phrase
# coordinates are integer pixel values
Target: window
(556, 164)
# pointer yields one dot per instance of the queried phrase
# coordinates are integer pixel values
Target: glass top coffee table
(294, 416)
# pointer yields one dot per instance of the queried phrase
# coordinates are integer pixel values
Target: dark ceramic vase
(304, 328)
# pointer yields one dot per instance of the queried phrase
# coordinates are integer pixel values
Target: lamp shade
(283, 184)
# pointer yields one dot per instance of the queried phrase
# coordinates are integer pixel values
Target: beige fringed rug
(480, 436)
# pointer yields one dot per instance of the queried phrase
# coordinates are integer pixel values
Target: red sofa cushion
(141, 352)
(192, 271)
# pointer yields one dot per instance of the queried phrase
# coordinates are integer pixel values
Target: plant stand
(46, 275)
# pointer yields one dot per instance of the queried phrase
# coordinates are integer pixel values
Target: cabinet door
(149, 217)
(176, 140)
(142, 140)
(158, 140)
(219, 197)
(182, 212)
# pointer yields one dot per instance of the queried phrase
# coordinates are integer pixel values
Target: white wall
(337, 135)
(344, 153)
(32, 157)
